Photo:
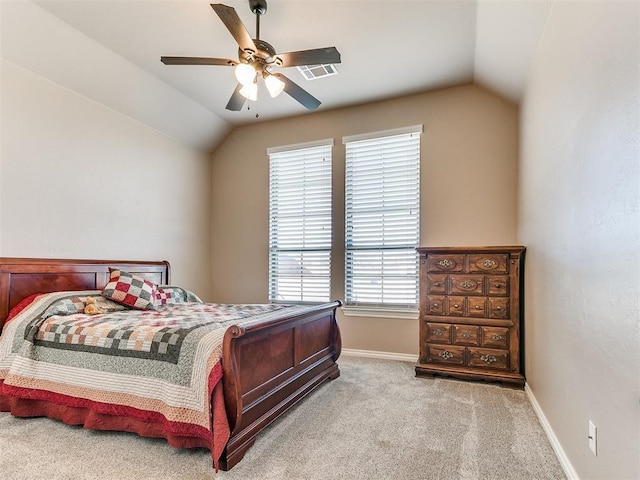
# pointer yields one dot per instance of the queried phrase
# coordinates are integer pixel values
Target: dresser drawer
(437, 284)
(467, 284)
(477, 306)
(492, 263)
(435, 305)
(498, 285)
(489, 358)
(498, 308)
(438, 333)
(466, 335)
(448, 355)
(446, 263)
(496, 337)
(455, 306)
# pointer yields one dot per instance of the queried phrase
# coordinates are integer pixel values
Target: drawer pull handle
(456, 306)
(466, 335)
(496, 337)
(446, 355)
(445, 263)
(498, 285)
(488, 359)
(438, 332)
(477, 307)
(437, 284)
(498, 308)
(435, 305)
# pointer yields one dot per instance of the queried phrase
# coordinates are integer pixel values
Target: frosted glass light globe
(245, 73)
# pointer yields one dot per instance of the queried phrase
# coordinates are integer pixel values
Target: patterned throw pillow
(65, 306)
(131, 290)
(75, 304)
(172, 295)
(163, 297)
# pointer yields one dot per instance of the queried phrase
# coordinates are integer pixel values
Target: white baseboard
(562, 457)
(402, 357)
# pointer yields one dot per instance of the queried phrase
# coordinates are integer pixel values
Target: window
(382, 218)
(300, 222)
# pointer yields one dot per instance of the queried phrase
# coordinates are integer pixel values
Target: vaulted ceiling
(110, 51)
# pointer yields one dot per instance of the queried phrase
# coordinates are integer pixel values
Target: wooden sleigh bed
(267, 367)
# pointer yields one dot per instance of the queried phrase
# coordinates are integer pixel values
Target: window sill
(381, 312)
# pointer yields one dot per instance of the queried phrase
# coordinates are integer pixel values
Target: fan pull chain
(249, 109)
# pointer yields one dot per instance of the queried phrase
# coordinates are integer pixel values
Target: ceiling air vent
(311, 72)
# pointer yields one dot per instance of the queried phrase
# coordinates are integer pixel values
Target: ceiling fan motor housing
(264, 56)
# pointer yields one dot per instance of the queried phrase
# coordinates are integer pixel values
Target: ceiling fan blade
(236, 102)
(197, 61)
(298, 93)
(316, 56)
(235, 26)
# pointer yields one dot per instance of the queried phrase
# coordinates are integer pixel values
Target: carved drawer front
(466, 335)
(449, 355)
(455, 306)
(498, 308)
(467, 284)
(489, 358)
(496, 337)
(498, 285)
(477, 306)
(446, 263)
(491, 263)
(438, 333)
(435, 305)
(437, 284)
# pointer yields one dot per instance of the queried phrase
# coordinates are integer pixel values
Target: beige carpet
(377, 421)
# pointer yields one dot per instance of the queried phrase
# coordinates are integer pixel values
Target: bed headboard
(21, 277)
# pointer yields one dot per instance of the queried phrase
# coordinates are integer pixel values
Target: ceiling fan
(257, 58)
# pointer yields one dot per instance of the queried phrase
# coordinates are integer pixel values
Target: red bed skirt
(100, 416)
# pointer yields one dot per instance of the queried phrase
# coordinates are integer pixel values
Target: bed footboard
(269, 367)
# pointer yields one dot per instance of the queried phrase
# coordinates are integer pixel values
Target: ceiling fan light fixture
(274, 85)
(245, 74)
(250, 91)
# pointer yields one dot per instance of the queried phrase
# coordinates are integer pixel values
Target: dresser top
(485, 249)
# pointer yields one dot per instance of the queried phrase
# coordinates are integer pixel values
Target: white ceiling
(389, 48)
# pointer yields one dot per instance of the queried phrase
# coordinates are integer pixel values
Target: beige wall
(468, 181)
(579, 216)
(79, 180)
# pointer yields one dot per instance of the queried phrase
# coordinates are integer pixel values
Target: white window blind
(382, 209)
(300, 223)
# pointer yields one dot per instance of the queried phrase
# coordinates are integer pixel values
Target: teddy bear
(91, 308)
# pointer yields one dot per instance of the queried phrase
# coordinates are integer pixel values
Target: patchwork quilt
(158, 365)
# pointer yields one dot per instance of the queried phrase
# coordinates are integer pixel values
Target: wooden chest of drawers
(471, 313)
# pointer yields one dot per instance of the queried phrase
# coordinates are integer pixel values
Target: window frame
(327, 197)
(375, 309)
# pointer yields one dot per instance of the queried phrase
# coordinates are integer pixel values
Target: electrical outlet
(593, 438)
